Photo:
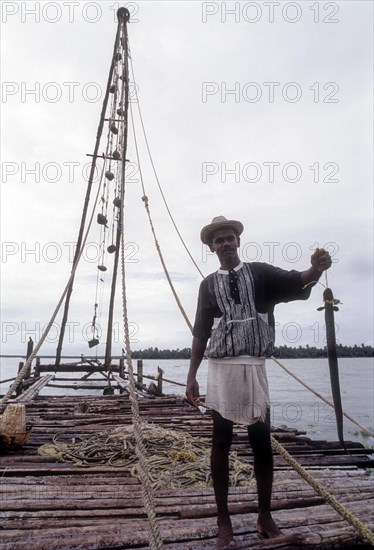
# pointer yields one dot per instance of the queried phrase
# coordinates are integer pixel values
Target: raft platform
(46, 504)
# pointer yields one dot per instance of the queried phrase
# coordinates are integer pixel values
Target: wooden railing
(89, 366)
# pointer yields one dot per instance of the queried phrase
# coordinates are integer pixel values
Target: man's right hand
(192, 392)
(197, 354)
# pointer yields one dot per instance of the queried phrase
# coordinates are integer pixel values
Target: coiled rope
(175, 459)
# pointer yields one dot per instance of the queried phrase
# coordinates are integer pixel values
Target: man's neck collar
(226, 271)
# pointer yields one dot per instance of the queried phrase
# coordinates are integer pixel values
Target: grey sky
(228, 105)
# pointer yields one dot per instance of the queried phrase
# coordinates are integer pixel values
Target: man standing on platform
(235, 313)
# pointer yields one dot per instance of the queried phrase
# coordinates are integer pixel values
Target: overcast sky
(260, 112)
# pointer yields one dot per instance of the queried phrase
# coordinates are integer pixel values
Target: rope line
(320, 396)
(156, 176)
(146, 204)
(155, 540)
(352, 519)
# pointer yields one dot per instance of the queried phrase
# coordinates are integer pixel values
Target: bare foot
(225, 539)
(267, 527)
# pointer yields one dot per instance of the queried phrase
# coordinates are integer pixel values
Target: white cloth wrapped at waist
(237, 388)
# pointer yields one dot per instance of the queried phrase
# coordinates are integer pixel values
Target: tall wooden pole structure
(120, 43)
(124, 15)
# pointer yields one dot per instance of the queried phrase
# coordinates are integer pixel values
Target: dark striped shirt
(236, 309)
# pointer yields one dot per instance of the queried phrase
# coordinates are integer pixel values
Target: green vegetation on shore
(282, 352)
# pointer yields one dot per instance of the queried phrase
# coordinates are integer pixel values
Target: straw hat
(219, 222)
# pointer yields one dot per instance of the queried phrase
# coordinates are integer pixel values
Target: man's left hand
(321, 260)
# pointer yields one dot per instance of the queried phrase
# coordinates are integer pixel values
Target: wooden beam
(33, 391)
(121, 382)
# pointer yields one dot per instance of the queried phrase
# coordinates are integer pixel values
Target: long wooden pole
(88, 193)
(330, 307)
(123, 16)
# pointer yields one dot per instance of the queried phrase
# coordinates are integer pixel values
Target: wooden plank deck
(50, 505)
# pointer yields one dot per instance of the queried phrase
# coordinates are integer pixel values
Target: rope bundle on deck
(174, 459)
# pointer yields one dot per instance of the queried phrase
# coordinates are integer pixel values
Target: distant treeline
(311, 352)
(283, 352)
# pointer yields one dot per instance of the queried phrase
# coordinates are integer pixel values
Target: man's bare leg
(222, 438)
(259, 438)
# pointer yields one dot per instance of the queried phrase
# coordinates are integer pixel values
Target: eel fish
(330, 307)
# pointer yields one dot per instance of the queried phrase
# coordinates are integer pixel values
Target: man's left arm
(320, 261)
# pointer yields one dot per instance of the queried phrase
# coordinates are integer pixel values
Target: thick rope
(321, 396)
(353, 520)
(181, 308)
(155, 540)
(145, 200)
(175, 459)
(23, 372)
(360, 527)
